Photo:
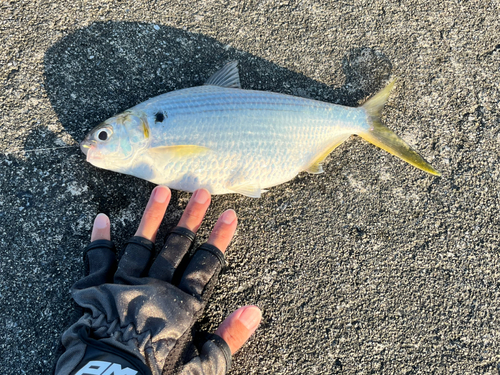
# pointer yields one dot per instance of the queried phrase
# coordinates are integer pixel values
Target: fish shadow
(105, 68)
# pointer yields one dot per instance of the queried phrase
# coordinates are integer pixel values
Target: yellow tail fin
(381, 136)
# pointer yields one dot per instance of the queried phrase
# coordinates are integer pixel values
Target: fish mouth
(84, 147)
(90, 150)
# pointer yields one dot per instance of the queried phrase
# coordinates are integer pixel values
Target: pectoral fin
(180, 150)
(315, 165)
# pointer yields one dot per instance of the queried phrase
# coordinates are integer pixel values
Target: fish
(226, 139)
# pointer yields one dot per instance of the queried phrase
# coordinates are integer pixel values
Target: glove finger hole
(99, 260)
(174, 251)
(198, 279)
(135, 261)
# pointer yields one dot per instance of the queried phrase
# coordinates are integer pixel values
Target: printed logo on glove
(105, 368)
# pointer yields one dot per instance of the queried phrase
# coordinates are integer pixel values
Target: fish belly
(253, 139)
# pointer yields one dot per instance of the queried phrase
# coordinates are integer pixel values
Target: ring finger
(180, 238)
(195, 210)
(154, 213)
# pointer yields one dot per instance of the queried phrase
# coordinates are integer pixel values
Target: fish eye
(103, 134)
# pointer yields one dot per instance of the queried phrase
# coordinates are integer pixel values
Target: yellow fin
(180, 150)
(315, 166)
(381, 136)
(248, 190)
(374, 105)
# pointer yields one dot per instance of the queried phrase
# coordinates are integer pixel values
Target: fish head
(114, 143)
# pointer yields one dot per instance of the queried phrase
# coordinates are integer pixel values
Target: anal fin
(249, 190)
(315, 165)
(315, 168)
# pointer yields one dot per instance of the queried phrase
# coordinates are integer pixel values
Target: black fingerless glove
(138, 317)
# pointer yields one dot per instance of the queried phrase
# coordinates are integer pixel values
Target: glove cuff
(100, 358)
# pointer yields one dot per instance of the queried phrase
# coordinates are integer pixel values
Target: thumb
(239, 326)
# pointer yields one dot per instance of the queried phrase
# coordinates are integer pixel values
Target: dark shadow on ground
(108, 67)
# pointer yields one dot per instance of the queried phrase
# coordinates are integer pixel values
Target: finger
(239, 326)
(99, 259)
(224, 229)
(198, 279)
(99, 256)
(100, 230)
(154, 213)
(195, 210)
(140, 249)
(181, 237)
(214, 358)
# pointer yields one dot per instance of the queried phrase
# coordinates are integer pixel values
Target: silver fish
(229, 140)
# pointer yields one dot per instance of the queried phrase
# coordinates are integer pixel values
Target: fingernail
(101, 221)
(201, 196)
(250, 317)
(228, 217)
(161, 194)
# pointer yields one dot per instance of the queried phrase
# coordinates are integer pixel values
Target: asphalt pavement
(373, 267)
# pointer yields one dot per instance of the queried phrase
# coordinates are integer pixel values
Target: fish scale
(269, 121)
(230, 140)
(250, 128)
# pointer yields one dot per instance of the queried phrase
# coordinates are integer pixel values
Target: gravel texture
(371, 267)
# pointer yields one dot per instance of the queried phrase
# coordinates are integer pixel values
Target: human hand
(140, 318)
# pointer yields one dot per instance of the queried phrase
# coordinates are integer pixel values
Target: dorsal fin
(228, 76)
